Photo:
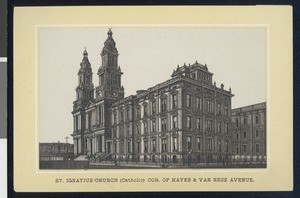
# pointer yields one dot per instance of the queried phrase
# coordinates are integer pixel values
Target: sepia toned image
(187, 98)
(156, 97)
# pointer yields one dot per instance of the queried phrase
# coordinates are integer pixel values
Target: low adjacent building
(249, 133)
(56, 151)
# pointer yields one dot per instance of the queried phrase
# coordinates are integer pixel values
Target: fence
(64, 164)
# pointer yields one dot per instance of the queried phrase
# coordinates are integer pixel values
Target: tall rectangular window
(115, 132)
(198, 123)
(237, 122)
(219, 109)
(226, 110)
(153, 107)
(175, 144)
(199, 102)
(146, 146)
(163, 124)
(138, 112)
(174, 101)
(257, 148)
(245, 148)
(175, 125)
(226, 145)
(138, 147)
(256, 133)
(115, 147)
(153, 126)
(163, 104)
(209, 144)
(189, 100)
(128, 147)
(128, 113)
(163, 145)
(219, 127)
(138, 128)
(128, 131)
(145, 127)
(189, 122)
(256, 119)
(245, 120)
(209, 125)
(245, 134)
(219, 146)
(198, 144)
(189, 143)
(226, 128)
(153, 145)
(93, 118)
(210, 107)
(121, 131)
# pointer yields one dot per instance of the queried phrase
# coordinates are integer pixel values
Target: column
(102, 143)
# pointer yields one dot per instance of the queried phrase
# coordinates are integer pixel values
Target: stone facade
(249, 131)
(183, 120)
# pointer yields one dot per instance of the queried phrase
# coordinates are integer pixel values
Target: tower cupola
(85, 88)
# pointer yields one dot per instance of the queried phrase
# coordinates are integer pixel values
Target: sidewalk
(124, 164)
(171, 166)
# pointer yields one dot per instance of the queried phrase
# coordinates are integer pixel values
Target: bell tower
(85, 88)
(109, 73)
(84, 94)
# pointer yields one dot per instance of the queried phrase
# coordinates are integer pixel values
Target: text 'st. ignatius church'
(183, 120)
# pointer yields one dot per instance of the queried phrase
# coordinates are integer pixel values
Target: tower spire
(109, 72)
(109, 33)
(85, 88)
(109, 52)
(85, 54)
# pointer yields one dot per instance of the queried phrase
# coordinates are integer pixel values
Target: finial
(109, 32)
(214, 83)
(184, 64)
(230, 89)
(222, 86)
(85, 52)
(189, 64)
(196, 61)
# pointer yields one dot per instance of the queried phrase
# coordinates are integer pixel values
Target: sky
(147, 56)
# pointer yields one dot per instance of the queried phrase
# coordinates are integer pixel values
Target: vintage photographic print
(167, 97)
(155, 98)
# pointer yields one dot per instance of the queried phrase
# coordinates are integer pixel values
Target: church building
(183, 120)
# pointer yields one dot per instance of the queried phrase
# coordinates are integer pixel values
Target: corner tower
(85, 88)
(84, 94)
(110, 89)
